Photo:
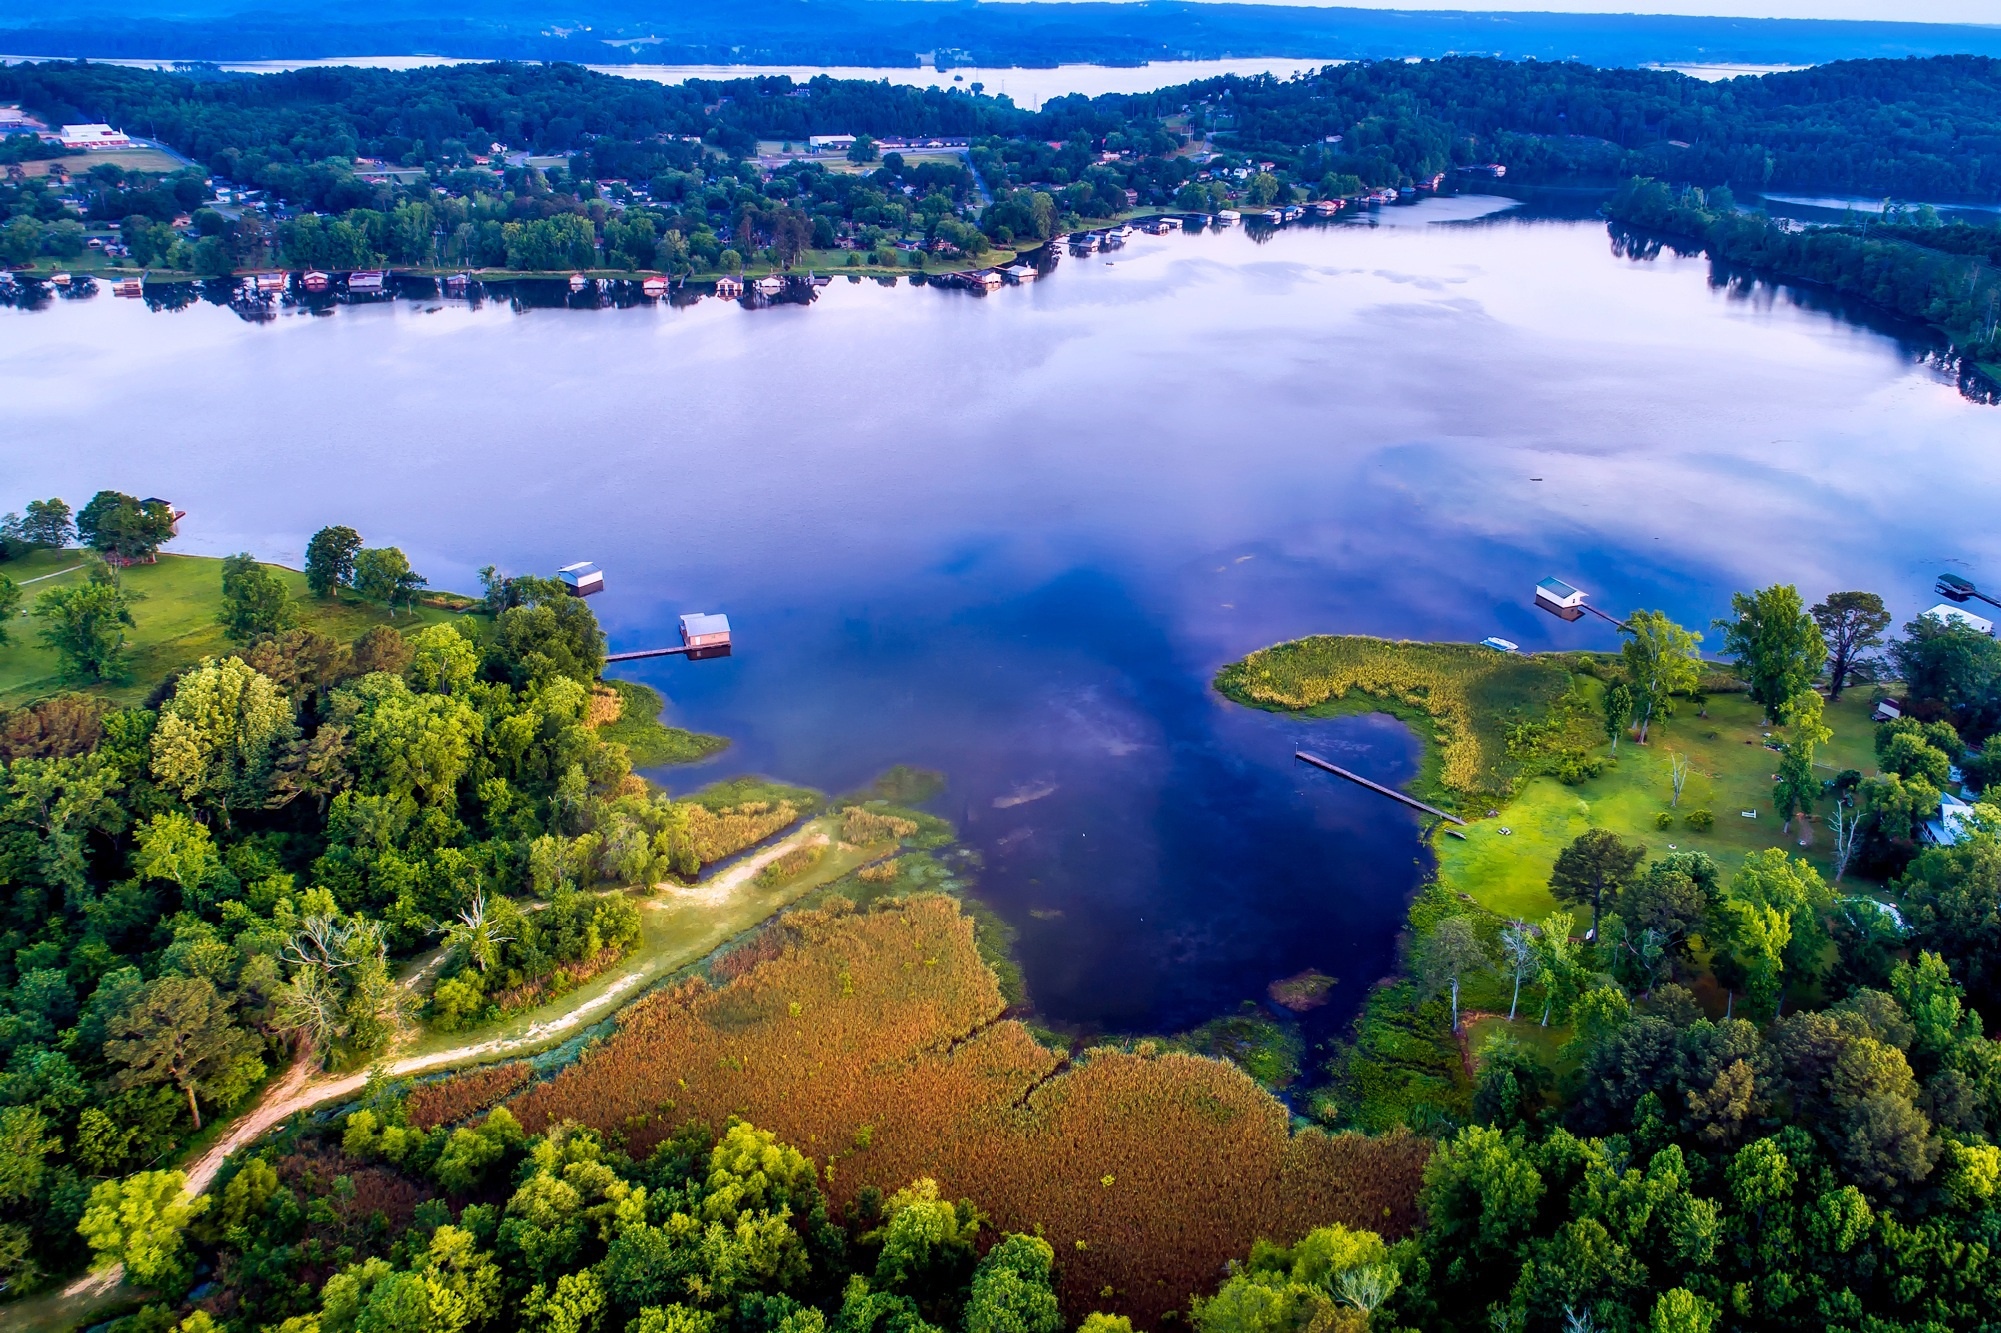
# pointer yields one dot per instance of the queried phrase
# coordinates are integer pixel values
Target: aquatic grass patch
(1462, 698)
(874, 1040)
(1252, 1040)
(650, 742)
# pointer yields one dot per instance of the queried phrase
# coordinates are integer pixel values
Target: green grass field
(175, 622)
(1730, 772)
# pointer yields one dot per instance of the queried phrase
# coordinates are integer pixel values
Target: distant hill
(906, 33)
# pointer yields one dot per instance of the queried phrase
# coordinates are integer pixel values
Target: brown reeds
(459, 1098)
(873, 1041)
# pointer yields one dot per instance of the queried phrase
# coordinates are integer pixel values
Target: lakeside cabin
(1560, 599)
(705, 629)
(582, 579)
(729, 288)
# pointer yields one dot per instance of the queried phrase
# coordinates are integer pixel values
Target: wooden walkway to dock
(638, 653)
(1377, 787)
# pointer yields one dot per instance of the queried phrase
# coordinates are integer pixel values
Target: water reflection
(1011, 539)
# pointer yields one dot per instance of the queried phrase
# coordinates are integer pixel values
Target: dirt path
(305, 1087)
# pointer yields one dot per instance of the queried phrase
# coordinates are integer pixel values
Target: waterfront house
(582, 579)
(729, 288)
(705, 630)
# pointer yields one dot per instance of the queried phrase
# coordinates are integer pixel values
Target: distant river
(1012, 538)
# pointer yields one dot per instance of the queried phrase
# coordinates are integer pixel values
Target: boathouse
(729, 288)
(1560, 599)
(705, 629)
(1945, 614)
(582, 579)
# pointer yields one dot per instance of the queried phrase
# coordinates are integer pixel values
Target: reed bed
(874, 1041)
(465, 1095)
(861, 826)
(715, 834)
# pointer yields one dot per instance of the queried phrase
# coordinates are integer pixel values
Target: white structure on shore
(93, 136)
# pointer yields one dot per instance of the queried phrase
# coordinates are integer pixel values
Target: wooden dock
(1377, 787)
(638, 653)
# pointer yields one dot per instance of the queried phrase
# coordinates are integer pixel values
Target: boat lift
(1567, 603)
(1956, 589)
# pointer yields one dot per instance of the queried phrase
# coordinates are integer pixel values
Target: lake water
(1011, 538)
(1029, 88)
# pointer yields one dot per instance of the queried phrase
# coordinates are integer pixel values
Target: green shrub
(1700, 820)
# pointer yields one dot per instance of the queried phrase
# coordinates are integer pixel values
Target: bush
(1700, 820)
(1663, 818)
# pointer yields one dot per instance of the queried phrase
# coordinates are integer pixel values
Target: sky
(1902, 11)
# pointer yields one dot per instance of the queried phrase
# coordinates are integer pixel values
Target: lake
(1029, 88)
(1012, 538)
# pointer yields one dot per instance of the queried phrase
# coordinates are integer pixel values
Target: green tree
(116, 525)
(1661, 662)
(1777, 645)
(1618, 702)
(1954, 664)
(330, 557)
(179, 1030)
(928, 1244)
(442, 660)
(863, 149)
(219, 735)
(10, 602)
(1446, 955)
(256, 604)
(86, 625)
(138, 1222)
(383, 574)
(1798, 786)
(1850, 624)
(1593, 869)
(46, 524)
(1011, 1290)
(534, 644)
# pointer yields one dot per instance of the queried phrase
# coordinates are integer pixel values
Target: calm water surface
(1012, 538)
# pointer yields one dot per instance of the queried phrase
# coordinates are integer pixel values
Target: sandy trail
(304, 1086)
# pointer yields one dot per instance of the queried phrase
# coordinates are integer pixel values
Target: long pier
(636, 654)
(1376, 787)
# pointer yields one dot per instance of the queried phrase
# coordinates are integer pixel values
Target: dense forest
(639, 176)
(1946, 276)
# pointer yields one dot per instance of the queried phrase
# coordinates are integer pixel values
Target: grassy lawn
(175, 622)
(1731, 772)
(131, 159)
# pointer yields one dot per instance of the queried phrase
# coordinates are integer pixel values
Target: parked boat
(60, 279)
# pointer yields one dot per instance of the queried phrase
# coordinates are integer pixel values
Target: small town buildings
(705, 629)
(582, 579)
(729, 288)
(1953, 615)
(93, 137)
